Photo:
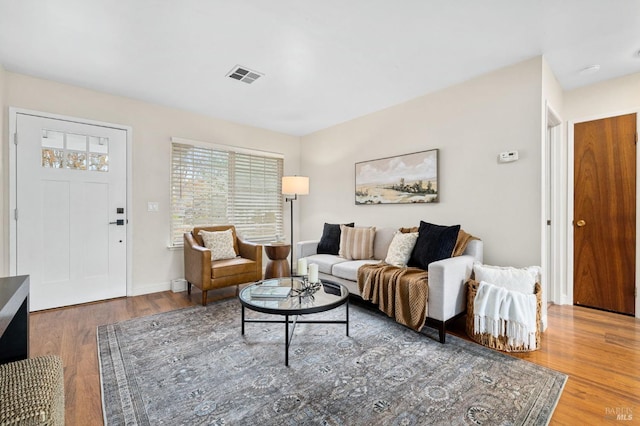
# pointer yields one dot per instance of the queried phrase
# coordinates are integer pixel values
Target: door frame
(552, 184)
(570, 204)
(13, 240)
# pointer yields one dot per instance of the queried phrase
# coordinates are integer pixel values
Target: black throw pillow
(330, 241)
(435, 242)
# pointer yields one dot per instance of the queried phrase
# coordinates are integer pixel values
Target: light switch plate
(152, 206)
(508, 156)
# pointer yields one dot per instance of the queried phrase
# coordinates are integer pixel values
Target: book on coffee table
(269, 292)
(270, 283)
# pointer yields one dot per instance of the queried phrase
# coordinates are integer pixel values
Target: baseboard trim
(139, 290)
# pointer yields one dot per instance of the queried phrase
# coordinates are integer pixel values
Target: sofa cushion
(381, 243)
(330, 240)
(220, 243)
(325, 262)
(349, 270)
(435, 242)
(401, 248)
(356, 243)
(228, 267)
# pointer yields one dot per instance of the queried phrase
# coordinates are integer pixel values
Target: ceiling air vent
(244, 74)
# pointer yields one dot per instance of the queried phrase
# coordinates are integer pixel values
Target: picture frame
(401, 179)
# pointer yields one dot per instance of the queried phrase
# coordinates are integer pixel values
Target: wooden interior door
(604, 214)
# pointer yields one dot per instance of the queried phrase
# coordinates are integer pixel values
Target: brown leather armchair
(200, 271)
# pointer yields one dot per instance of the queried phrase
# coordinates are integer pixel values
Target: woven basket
(32, 392)
(500, 342)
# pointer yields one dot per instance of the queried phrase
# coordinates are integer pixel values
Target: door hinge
(636, 138)
(15, 214)
(15, 138)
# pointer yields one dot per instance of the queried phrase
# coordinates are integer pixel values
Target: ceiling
(324, 62)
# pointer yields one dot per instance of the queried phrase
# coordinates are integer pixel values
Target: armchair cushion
(228, 267)
(220, 243)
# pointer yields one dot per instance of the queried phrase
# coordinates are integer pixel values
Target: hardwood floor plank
(600, 352)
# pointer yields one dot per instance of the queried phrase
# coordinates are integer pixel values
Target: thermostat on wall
(508, 156)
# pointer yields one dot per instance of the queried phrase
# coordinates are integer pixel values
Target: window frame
(175, 239)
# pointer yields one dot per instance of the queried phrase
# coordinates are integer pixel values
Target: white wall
(4, 177)
(153, 126)
(469, 123)
(609, 98)
(551, 90)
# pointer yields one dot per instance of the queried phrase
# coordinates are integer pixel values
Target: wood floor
(599, 351)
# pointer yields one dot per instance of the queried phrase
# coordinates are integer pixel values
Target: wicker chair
(205, 274)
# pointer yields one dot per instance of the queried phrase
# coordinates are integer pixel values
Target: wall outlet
(507, 156)
(153, 206)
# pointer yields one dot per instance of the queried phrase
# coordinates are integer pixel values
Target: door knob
(580, 223)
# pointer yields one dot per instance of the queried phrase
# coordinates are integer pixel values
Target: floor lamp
(294, 185)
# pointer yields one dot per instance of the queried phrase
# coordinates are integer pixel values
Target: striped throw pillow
(356, 243)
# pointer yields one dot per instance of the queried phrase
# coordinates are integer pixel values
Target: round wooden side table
(277, 265)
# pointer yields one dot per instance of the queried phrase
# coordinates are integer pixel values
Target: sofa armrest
(475, 249)
(197, 261)
(306, 248)
(249, 250)
(447, 291)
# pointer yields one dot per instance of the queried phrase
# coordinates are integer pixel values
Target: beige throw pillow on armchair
(220, 243)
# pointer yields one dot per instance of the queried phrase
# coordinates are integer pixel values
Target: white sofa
(447, 293)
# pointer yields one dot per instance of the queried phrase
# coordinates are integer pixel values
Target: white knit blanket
(502, 312)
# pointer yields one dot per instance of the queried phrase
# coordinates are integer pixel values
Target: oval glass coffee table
(270, 297)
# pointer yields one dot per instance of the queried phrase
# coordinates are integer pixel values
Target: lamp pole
(291, 200)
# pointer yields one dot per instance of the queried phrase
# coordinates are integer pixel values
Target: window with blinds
(215, 186)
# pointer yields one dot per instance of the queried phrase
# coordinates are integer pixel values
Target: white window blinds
(214, 186)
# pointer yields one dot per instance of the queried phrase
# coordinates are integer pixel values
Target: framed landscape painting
(403, 179)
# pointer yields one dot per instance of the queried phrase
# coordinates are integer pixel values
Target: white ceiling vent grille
(244, 74)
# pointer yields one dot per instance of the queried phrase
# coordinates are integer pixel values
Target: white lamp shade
(298, 185)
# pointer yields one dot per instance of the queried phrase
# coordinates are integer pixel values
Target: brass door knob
(580, 223)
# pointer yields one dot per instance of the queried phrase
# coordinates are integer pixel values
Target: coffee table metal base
(289, 333)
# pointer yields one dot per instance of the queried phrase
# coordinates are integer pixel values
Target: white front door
(71, 218)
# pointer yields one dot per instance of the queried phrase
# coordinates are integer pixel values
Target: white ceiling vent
(244, 74)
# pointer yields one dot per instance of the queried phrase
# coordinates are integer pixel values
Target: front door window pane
(51, 139)
(52, 158)
(76, 160)
(73, 151)
(76, 142)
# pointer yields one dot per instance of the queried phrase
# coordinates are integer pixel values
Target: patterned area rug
(193, 367)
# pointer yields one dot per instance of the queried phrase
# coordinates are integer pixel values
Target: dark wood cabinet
(14, 318)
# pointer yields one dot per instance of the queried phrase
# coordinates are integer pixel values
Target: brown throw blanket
(461, 243)
(402, 293)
